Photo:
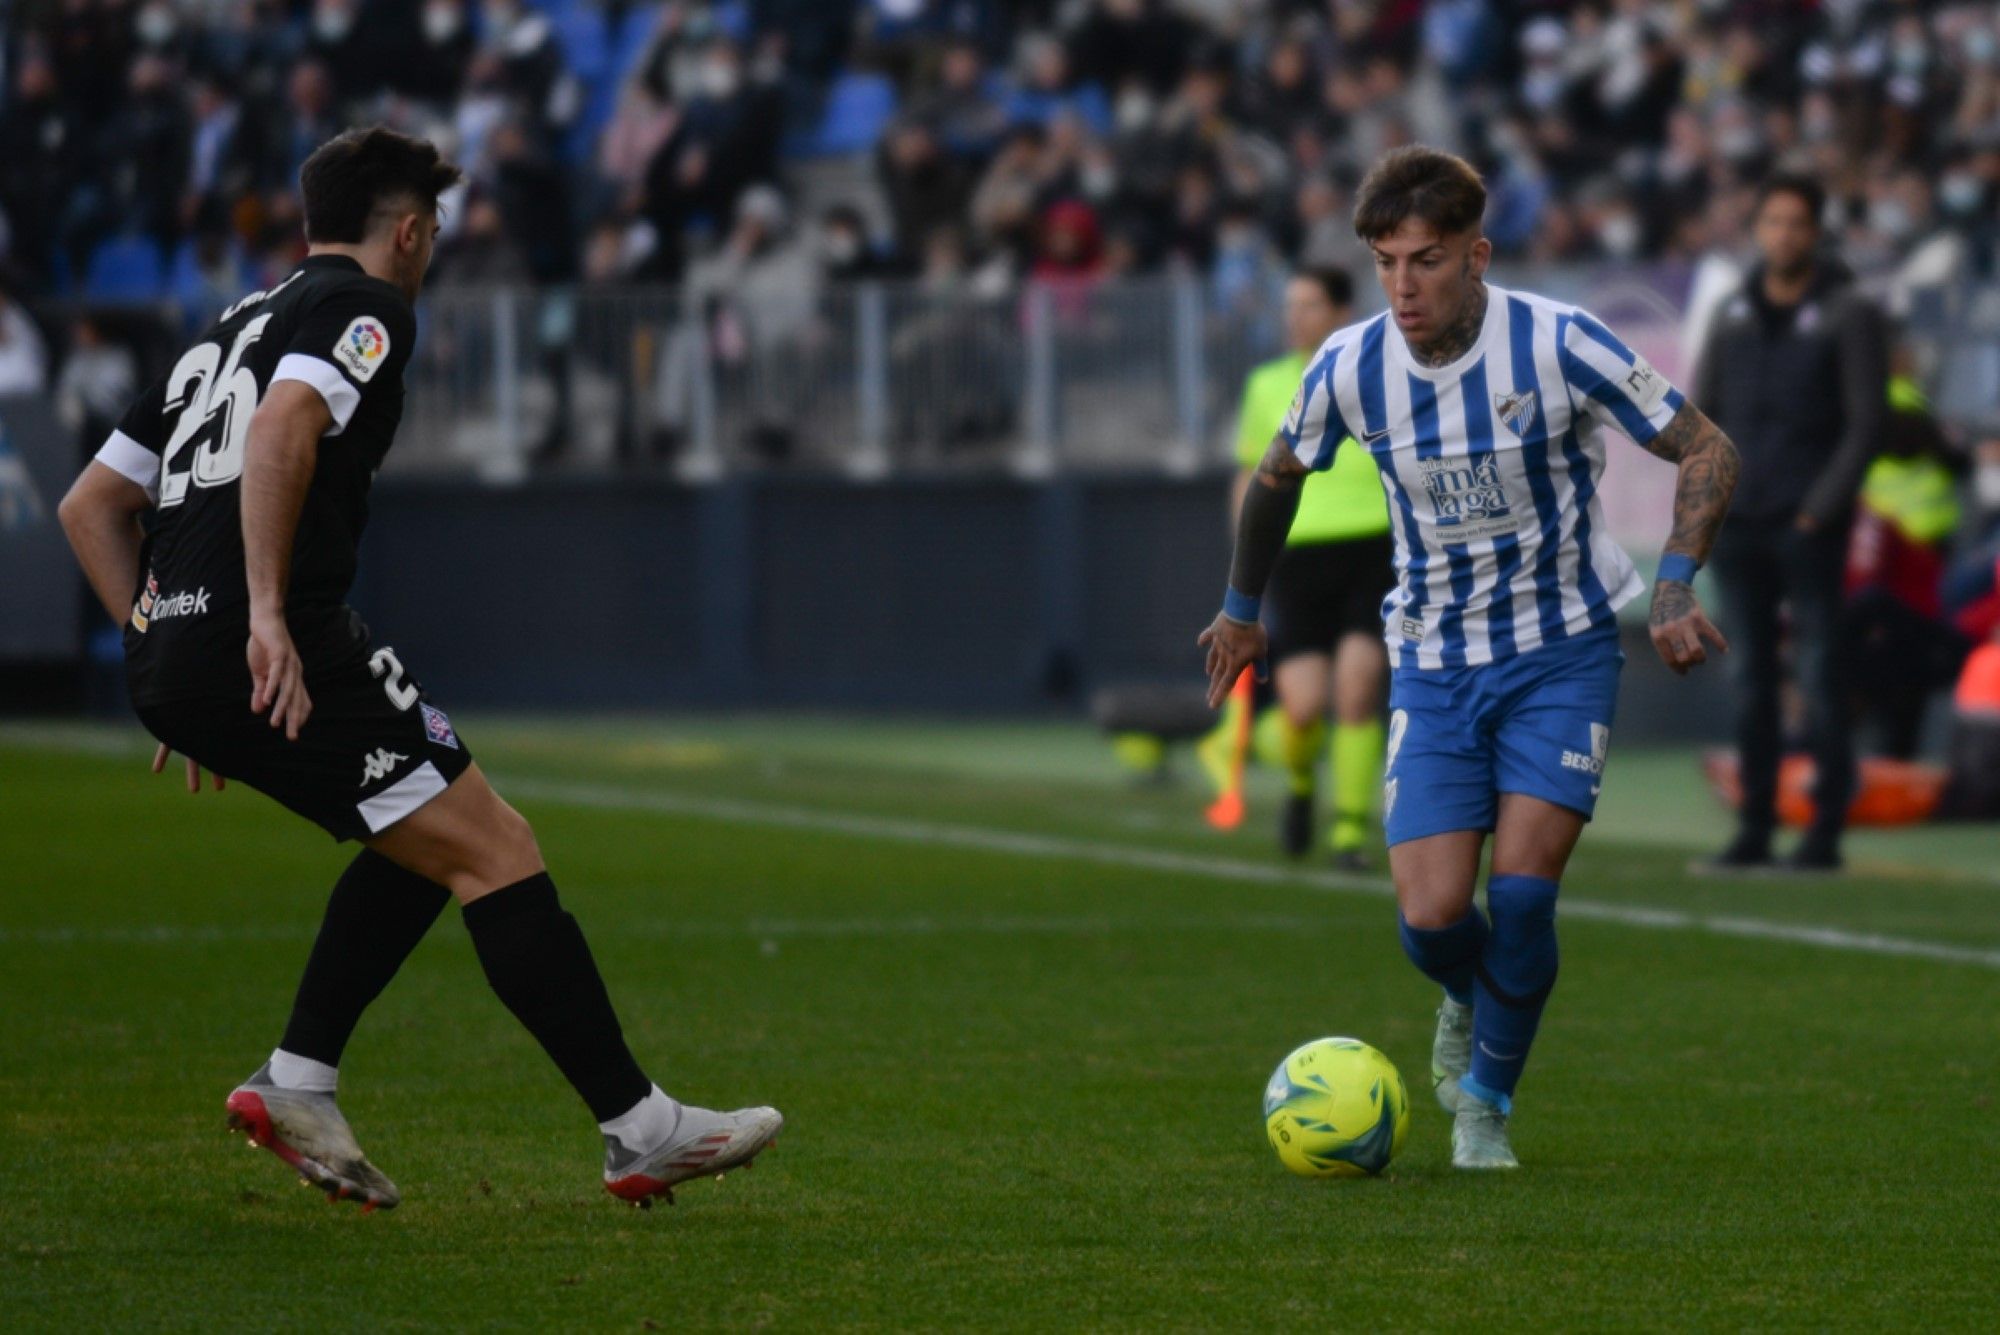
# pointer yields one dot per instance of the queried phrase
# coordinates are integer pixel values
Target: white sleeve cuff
(342, 398)
(129, 459)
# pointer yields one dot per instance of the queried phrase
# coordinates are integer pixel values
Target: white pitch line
(765, 930)
(1013, 843)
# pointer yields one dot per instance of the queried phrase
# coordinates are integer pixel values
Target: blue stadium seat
(858, 108)
(126, 268)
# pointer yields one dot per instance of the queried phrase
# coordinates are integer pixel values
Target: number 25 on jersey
(215, 404)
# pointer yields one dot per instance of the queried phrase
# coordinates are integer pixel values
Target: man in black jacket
(1795, 370)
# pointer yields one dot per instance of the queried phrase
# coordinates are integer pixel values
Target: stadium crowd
(151, 145)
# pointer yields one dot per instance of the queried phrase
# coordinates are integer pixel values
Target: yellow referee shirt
(1344, 502)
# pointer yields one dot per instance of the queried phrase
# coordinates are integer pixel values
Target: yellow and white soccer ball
(1336, 1108)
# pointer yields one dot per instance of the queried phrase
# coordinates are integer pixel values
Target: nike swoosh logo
(1498, 1056)
(1370, 437)
(1596, 788)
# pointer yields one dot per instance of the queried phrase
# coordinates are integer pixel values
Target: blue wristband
(1678, 567)
(1241, 606)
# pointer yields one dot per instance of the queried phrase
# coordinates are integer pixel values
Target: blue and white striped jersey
(1491, 465)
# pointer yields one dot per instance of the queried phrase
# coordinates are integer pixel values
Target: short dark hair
(1429, 184)
(354, 175)
(1331, 279)
(1805, 188)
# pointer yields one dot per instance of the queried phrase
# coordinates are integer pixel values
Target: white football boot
(702, 1144)
(306, 1130)
(1479, 1135)
(1451, 1052)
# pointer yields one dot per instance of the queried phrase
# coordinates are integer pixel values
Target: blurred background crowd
(151, 145)
(882, 235)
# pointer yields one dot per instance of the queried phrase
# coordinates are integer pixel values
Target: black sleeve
(134, 447)
(351, 343)
(145, 422)
(1261, 529)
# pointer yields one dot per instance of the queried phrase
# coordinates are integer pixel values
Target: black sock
(536, 959)
(374, 919)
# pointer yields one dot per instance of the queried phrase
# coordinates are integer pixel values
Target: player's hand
(277, 676)
(1232, 646)
(1680, 628)
(193, 770)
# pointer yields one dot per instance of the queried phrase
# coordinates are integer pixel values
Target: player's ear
(1481, 256)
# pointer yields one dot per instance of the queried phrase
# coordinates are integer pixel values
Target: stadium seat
(126, 268)
(858, 108)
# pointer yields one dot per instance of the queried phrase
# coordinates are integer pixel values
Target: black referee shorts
(374, 750)
(1323, 591)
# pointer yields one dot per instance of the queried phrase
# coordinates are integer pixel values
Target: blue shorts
(1538, 724)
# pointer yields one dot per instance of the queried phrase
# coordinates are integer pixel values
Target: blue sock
(1447, 955)
(1515, 973)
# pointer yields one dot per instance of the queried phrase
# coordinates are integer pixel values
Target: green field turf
(1019, 1016)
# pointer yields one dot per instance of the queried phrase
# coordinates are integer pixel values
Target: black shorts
(374, 749)
(1323, 591)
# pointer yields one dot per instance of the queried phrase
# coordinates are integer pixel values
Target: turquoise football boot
(1451, 1052)
(1479, 1135)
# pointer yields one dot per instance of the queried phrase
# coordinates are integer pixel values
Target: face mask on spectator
(1738, 142)
(156, 25)
(1890, 218)
(720, 78)
(1960, 194)
(442, 22)
(1986, 486)
(1620, 235)
(331, 25)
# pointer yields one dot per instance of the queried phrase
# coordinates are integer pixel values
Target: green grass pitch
(1019, 1017)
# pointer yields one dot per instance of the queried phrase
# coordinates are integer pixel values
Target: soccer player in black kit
(254, 456)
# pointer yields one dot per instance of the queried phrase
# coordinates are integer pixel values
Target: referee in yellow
(1323, 609)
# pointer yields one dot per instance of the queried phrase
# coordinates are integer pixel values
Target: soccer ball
(1336, 1108)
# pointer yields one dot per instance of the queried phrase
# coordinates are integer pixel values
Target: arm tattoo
(1708, 467)
(1269, 504)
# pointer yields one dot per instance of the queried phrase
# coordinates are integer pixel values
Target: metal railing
(1136, 374)
(870, 380)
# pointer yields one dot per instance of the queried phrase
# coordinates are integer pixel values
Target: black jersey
(328, 324)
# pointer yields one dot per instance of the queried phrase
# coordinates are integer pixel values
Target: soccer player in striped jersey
(1488, 413)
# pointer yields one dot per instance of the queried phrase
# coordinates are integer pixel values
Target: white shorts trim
(402, 797)
(132, 461)
(342, 398)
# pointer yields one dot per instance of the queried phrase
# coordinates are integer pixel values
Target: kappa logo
(1516, 411)
(380, 765)
(363, 347)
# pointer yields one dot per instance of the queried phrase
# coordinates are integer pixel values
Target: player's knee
(496, 848)
(515, 838)
(1432, 913)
